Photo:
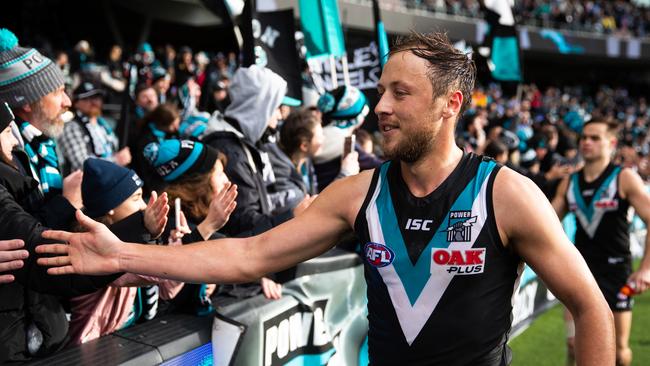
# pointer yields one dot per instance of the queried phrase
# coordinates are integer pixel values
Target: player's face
(595, 142)
(409, 117)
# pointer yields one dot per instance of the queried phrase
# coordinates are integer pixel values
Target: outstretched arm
(541, 242)
(633, 189)
(218, 261)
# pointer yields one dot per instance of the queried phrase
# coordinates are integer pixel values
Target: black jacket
(253, 213)
(56, 212)
(288, 188)
(33, 297)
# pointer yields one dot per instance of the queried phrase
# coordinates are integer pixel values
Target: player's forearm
(645, 261)
(595, 339)
(222, 261)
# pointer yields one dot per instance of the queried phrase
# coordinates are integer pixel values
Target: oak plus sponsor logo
(296, 332)
(607, 204)
(378, 255)
(459, 226)
(458, 261)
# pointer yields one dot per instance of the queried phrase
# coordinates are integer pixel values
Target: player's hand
(271, 289)
(95, 252)
(11, 257)
(640, 279)
(155, 215)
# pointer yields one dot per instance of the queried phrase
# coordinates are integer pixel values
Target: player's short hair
(448, 68)
(612, 126)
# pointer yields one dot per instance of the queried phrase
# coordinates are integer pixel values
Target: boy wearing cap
(88, 134)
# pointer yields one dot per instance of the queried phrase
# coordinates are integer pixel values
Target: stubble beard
(413, 145)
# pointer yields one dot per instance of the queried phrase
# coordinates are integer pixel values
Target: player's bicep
(636, 194)
(536, 235)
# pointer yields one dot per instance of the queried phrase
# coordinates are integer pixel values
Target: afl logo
(378, 255)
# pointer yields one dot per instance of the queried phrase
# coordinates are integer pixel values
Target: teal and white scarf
(44, 161)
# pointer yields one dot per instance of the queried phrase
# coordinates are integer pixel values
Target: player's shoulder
(511, 186)
(629, 179)
(353, 184)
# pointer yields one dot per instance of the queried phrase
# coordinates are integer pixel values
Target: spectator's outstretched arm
(224, 261)
(528, 224)
(11, 257)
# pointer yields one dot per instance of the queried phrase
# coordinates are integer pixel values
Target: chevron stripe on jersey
(589, 216)
(415, 290)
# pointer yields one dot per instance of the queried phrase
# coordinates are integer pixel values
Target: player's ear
(453, 105)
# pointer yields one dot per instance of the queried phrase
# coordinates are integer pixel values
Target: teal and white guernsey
(440, 282)
(603, 219)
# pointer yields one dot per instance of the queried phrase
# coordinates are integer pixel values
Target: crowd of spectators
(122, 138)
(146, 130)
(620, 17)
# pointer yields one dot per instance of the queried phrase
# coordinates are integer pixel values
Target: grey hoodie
(255, 94)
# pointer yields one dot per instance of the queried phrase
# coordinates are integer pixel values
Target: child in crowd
(301, 138)
(194, 172)
(110, 194)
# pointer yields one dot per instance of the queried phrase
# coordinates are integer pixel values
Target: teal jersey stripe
(415, 277)
(588, 210)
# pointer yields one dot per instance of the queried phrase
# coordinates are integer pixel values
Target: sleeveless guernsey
(440, 282)
(602, 216)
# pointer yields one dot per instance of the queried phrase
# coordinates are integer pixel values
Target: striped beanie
(177, 159)
(344, 107)
(25, 75)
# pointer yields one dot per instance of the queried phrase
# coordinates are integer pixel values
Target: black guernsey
(602, 230)
(440, 282)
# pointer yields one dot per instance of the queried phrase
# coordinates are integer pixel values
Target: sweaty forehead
(405, 68)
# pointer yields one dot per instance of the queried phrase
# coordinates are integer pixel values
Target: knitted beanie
(105, 185)
(177, 159)
(25, 75)
(345, 107)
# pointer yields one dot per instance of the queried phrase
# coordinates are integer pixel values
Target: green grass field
(542, 344)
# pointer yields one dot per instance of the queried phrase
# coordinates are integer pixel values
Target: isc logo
(378, 255)
(418, 224)
(461, 262)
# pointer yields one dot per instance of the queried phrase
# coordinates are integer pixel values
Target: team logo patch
(460, 262)
(378, 255)
(459, 226)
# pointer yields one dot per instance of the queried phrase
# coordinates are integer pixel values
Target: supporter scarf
(103, 146)
(41, 151)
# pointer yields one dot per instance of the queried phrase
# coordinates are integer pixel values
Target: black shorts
(610, 279)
